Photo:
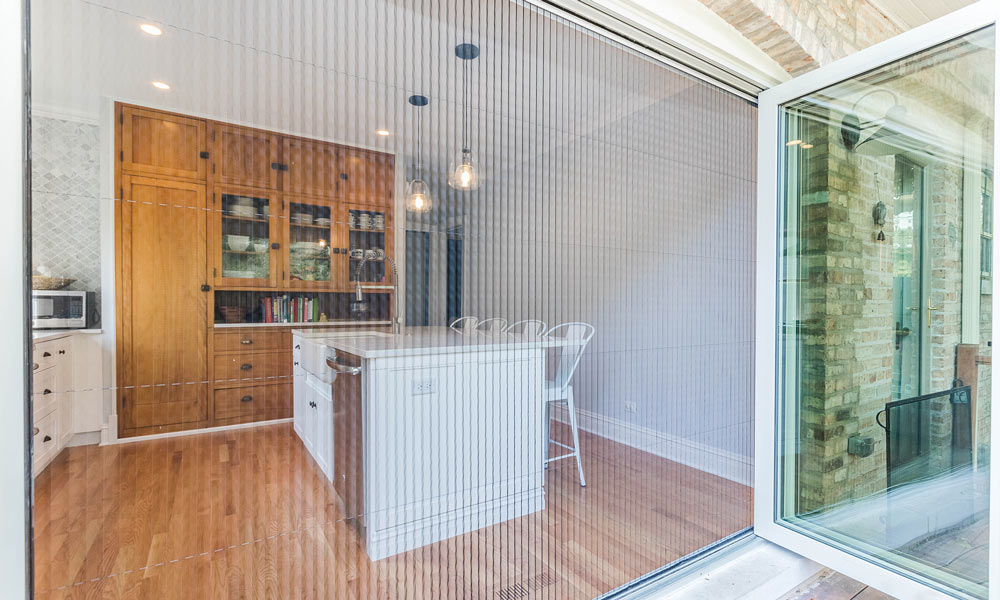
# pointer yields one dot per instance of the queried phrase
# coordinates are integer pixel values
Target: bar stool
(528, 327)
(492, 326)
(464, 324)
(559, 390)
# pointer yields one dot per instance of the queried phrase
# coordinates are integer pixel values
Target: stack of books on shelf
(290, 309)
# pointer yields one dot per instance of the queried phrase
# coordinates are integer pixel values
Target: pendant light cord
(467, 108)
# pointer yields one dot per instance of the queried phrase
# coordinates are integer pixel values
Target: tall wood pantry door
(163, 312)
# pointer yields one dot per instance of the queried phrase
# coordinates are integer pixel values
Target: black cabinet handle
(247, 398)
(295, 364)
(46, 392)
(276, 246)
(246, 367)
(203, 154)
(62, 352)
(297, 346)
(205, 287)
(45, 355)
(47, 438)
(279, 167)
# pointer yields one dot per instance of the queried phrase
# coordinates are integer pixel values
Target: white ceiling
(908, 14)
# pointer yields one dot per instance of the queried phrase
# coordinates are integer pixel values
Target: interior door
(863, 461)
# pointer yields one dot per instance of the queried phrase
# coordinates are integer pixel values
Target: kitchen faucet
(359, 299)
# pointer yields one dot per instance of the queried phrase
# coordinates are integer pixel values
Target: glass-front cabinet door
(875, 316)
(368, 243)
(245, 239)
(313, 242)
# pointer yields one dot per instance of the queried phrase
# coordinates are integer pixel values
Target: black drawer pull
(246, 367)
(47, 438)
(247, 398)
(297, 346)
(36, 431)
(246, 342)
(45, 355)
(62, 352)
(46, 392)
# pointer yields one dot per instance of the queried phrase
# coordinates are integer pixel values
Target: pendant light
(464, 170)
(418, 193)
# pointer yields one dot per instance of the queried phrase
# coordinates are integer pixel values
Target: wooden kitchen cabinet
(316, 242)
(310, 167)
(245, 156)
(245, 237)
(158, 143)
(162, 300)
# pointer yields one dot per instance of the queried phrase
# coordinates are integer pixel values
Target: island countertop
(419, 341)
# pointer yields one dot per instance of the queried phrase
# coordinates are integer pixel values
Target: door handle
(930, 307)
(247, 398)
(46, 392)
(246, 367)
(47, 438)
(345, 369)
(46, 355)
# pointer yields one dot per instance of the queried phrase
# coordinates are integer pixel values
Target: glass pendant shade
(463, 173)
(418, 196)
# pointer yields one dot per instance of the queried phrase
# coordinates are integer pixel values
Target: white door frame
(766, 444)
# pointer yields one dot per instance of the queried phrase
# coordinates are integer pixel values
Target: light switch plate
(630, 407)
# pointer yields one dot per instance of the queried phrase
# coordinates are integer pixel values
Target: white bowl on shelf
(304, 218)
(238, 243)
(242, 211)
(259, 245)
(322, 221)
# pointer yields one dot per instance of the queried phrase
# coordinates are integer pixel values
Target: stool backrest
(569, 355)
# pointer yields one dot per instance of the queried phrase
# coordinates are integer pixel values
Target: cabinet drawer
(46, 440)
(232, 370)
(249, 340)
(242, 401)
(43, 393)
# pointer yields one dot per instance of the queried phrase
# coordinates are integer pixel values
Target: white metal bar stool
(464, 324)
(559, 390)
(492, 326)
(527, 327)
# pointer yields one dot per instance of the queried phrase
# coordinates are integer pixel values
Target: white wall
(643, 228)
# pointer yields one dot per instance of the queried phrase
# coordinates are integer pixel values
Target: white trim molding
(729, 465)
(856, 564)
(15, 468)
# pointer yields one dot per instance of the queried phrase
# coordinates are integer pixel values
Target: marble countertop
(417, 341)
(337, 323)
(40, 335)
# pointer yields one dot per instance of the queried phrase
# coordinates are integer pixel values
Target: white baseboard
(87, 438)
(729, 465)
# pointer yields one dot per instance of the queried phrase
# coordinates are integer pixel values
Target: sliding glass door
(875, 315)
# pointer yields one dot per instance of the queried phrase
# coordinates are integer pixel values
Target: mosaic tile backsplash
(65, 191)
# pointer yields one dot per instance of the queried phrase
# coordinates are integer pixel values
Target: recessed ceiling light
(160, 85)
(793, 143)
(382, 132)
(806, 146)
(151, 29)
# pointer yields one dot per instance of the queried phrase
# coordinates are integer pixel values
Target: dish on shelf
(259, 245)
(303, 218)
(242, 274)
(242, 211)
(322, 221)
(238, 243)
(242, 201)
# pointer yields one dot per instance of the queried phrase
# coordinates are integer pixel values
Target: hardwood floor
(247, 514)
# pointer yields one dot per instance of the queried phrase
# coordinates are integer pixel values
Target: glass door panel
(367, 241)
(310, 243)
(883, 392)
(244, 252)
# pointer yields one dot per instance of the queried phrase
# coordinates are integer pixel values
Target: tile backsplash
(65, 191)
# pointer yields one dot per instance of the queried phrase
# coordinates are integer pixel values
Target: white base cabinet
(312, 411)
(66, 393)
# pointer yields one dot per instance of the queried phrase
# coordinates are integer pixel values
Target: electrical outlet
(629, 407)
(423, 386)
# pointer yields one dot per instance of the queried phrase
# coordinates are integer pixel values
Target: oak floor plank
(247, 514)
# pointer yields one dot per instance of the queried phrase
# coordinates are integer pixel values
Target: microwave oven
(62, 309)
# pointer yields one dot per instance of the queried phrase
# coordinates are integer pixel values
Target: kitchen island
(426, 434)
